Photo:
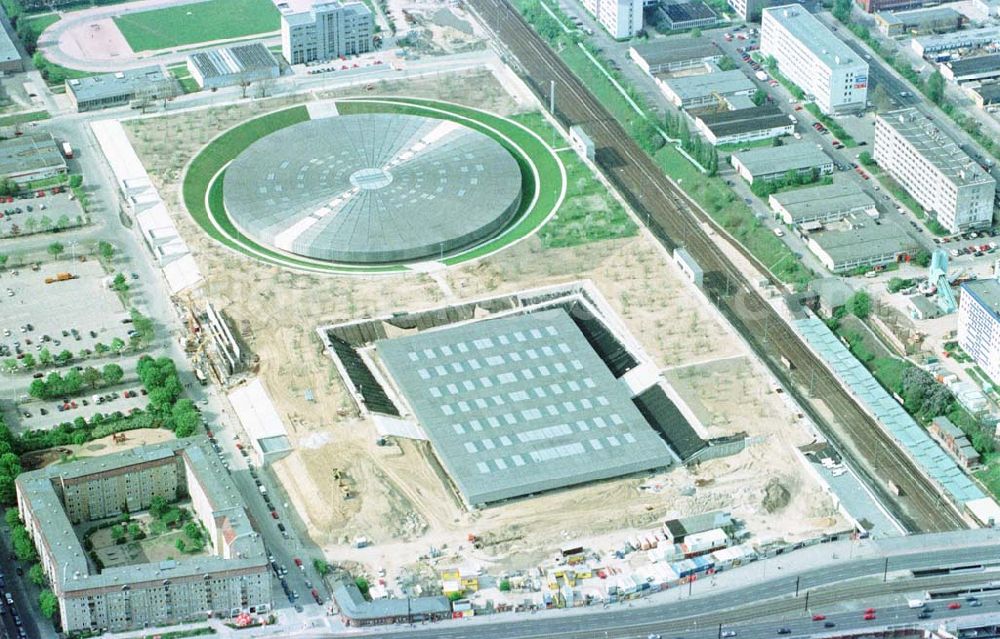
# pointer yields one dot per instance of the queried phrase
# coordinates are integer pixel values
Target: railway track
(677, 221)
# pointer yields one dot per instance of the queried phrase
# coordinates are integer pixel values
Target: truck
(914, 603)
(60, 277)
(201, 377)
(67, 150)
(263, 490)
(761, 76)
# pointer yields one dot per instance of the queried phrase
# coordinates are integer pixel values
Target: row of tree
(56, 385)
(705, 154)
(764, 188)
(24, 550)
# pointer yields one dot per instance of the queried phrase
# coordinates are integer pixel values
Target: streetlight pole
(807, 601)
(797, 579)
(885, 571)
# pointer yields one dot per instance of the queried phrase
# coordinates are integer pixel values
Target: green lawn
(588, 213)
(21, 118)
(42, 23)
(199, 22)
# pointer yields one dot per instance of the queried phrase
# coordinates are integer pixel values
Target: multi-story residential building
(234, 577)
(621, 18)
(979, 324)
(312, 31)
(749, 10)
(932, 168)
(816, 60)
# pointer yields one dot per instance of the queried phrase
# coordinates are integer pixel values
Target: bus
(67, 150)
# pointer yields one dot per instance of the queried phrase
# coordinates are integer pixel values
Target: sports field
(198, 22)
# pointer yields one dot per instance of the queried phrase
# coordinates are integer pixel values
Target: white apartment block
(812, 57)
(932, 168)
(621, 18)
(324, 30)
(979, 324)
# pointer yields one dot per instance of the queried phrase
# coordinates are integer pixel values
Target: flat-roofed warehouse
(520, 405)
(744, 125)
(232, 65)
(821, 203)
(982, 67)
(859, 242)
(917, 21)
(32, 157)
(674, 54)
(770, 163)
(708, 89)
(118, 89)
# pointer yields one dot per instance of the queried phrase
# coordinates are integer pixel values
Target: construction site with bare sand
(347, 482)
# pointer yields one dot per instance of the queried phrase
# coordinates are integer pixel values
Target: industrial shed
(233, 65)
(31, 157)
(744, 125)
(674, 54)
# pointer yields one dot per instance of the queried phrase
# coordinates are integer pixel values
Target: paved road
(851, 585)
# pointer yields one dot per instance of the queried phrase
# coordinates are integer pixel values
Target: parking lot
(45, 414)
(33, 214)
(73, 315)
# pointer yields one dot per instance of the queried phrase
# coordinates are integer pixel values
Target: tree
(56, 249)
(48, 603)
(158, 506)
(777, 142)
(64, 357)
(91, 376)
(695, 33)
(322, 568)
(860, 305)
(36, 575)
(112, 374)
(12, 517)
(3, 260)
(935, 87)
(28, 361)
(10, 364)
(117, 345)
(44, 357)
(727, 64)
(106, 250)
(759, 97)
(46, 222)
(75, 181)
(118, 534)
(922, 258)
(180, 545)
(866, 159)
(62, 222)
(362, 585)
(100, 348)
(119, 284)
(185, 418)
(135, 531)
(504, 585)
(24, 550)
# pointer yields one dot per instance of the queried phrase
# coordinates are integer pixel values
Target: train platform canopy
(919, 446)
(521, 404)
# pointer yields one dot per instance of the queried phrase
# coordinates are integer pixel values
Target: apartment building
(979, 324)
(932, 168)
(233, 578)
(812, 57)
(312, 31)
(749, 10)
(621, 18)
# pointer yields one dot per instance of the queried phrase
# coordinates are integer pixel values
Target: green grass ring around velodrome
(543, 179)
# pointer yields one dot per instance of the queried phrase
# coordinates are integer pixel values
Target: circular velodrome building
(373, 188)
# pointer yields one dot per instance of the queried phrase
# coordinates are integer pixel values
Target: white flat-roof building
(979, 324)
(812, 57)
(324, 30)
(932, 168)
(705, 90)
(621, 18)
